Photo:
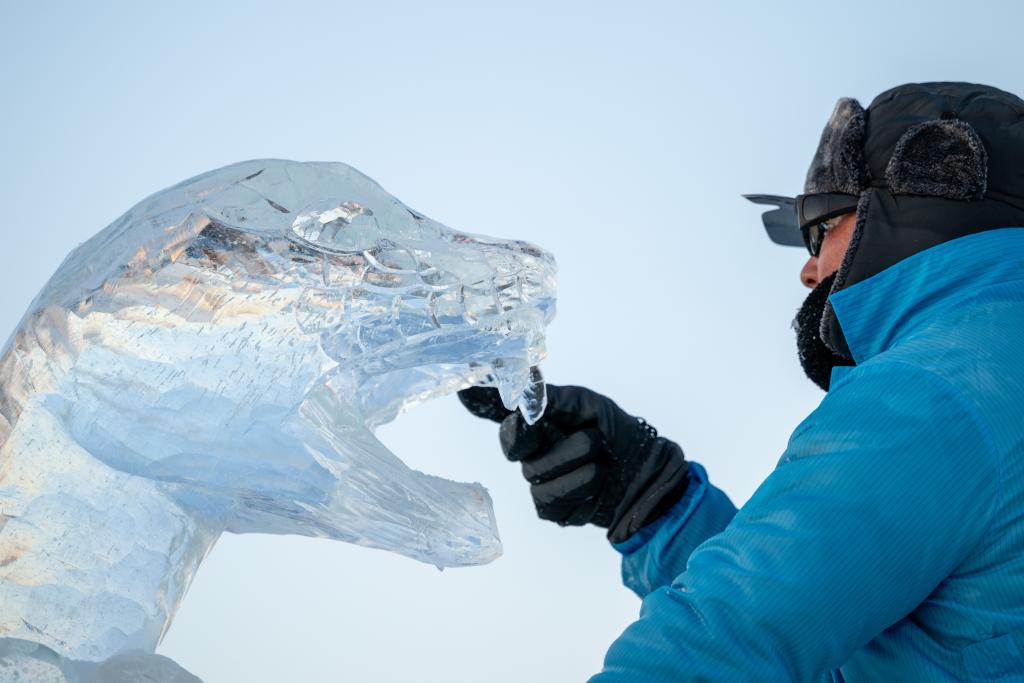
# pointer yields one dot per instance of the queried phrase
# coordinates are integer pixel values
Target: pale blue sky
(618, 137)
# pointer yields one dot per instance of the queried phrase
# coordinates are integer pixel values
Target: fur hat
(931, 162)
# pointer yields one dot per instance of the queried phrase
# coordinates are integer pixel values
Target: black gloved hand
(587, 460)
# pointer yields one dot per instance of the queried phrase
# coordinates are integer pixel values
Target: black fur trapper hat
(931, 162)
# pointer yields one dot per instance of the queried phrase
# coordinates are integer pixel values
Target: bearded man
(888, 543)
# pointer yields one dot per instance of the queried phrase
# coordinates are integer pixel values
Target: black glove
(587, 460)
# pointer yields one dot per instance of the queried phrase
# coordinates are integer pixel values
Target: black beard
(816, 358)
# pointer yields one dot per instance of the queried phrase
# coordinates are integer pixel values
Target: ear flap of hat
(940, 158)
(838, 165)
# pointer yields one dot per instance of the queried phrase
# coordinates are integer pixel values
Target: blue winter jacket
(888, 543)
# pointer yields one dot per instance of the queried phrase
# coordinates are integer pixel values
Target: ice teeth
(534, 398)
(511, 377)
(521, 387)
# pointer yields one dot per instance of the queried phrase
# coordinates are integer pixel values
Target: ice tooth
(521, 387)
(511, 378)
(534, 398)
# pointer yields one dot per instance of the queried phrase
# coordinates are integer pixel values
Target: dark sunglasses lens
(813, 236)
(819, 237)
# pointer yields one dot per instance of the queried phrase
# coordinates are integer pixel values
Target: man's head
(922, 165)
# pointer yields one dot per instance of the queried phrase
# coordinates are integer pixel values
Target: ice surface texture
(216, 360)
(23, 661)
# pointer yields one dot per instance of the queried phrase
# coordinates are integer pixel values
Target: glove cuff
(660, 483)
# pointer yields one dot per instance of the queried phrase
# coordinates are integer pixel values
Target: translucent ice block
(216, 360)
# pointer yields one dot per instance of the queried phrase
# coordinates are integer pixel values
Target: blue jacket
(888, 543)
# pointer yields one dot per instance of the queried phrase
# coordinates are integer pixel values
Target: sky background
(617, 137)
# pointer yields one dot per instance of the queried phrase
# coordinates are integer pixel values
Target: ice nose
(532, 280)
(509, 273)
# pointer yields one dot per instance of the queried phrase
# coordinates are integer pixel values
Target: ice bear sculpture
(216, 360)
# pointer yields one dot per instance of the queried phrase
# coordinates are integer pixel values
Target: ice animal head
(236, 338)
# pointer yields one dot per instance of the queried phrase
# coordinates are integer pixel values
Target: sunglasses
(803, 220)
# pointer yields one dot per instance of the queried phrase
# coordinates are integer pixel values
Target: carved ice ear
(940, 158)
(838, 165)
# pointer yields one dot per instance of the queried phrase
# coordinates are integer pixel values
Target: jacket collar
(878, 312)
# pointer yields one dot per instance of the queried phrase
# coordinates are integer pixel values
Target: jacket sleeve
(881, 492)
(657, 553)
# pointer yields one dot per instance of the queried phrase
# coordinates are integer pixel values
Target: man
(888, 544)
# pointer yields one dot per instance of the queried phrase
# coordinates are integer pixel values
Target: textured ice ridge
(216, 360)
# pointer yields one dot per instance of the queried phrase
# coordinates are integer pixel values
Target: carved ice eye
(336, 225)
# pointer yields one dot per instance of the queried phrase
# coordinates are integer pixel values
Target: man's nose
(809, 273)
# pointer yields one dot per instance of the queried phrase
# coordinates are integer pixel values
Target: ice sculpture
(216, 360)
